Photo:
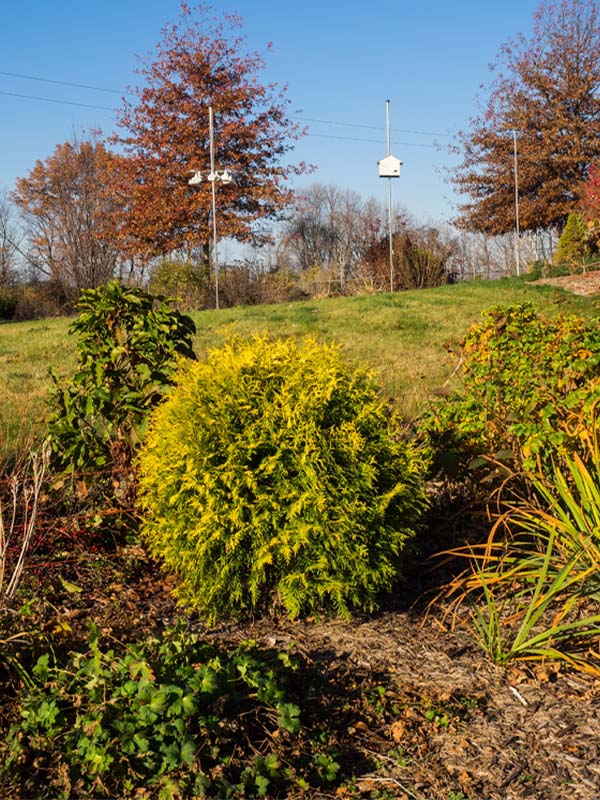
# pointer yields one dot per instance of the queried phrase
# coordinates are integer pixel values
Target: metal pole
(214, 203)
(387, 122)
(517, 227)
(390, 236)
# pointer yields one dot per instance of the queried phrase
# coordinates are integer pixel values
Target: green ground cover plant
(168, 718)
(273, 475)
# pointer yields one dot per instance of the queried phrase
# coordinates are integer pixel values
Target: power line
(63, 83)
(373, 141)
(61, 102)
(300, 117)
(369, 127)
(307, 119)
(110, 108)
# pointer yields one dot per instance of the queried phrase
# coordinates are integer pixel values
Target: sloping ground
(585, 284)
(446, 723)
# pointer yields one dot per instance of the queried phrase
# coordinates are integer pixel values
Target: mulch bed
(453, 726)
(516, 733)
(585, 284)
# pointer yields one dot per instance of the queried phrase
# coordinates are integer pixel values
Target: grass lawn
(403, 337)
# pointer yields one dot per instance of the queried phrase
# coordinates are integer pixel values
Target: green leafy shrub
(128, 342)
(530, 386)
(272, 476)
(173, 717)
(186, 282)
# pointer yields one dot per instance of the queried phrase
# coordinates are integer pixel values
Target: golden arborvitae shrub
(273, 476)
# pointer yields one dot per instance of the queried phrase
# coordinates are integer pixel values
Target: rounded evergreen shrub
(272, 476)
(572, 246)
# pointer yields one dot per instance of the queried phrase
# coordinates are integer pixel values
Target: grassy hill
(404, 337)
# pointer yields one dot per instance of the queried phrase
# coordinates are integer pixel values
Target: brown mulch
(455, 725)
(586, 284)
(527, 734)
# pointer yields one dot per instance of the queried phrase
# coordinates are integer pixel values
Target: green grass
(27, 351)
(403, 337)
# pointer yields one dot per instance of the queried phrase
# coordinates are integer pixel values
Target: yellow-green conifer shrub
(273, 476)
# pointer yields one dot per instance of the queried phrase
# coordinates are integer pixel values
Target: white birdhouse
(389, 167)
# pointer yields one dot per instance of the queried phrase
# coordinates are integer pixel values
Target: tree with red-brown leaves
(201, 63)
(64, 207)
(547, 92)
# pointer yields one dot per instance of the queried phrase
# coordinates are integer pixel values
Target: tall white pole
(517, 226)
(390, 235)
(214, 203)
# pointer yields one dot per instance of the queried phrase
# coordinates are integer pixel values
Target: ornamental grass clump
(273, 476)
(534, 586)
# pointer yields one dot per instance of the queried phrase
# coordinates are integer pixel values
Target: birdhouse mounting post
(389, 167)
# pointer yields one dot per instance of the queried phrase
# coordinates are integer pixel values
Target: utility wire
(373, 141)
(109, 108)
(63, 83)
(370, 127)
(293, 116)
(62, 102)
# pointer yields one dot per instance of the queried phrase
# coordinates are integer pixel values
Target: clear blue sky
(340, 61)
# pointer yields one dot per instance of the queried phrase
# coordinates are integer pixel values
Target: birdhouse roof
(390, 161)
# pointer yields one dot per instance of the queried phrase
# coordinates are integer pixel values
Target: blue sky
(340, 61)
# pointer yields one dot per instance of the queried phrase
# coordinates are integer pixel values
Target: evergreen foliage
(572, 245)
(272, 476)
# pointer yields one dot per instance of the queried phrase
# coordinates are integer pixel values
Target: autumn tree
(64, 207)
(590, 206)
(547, 92)
(201, 63)
(590, 193)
